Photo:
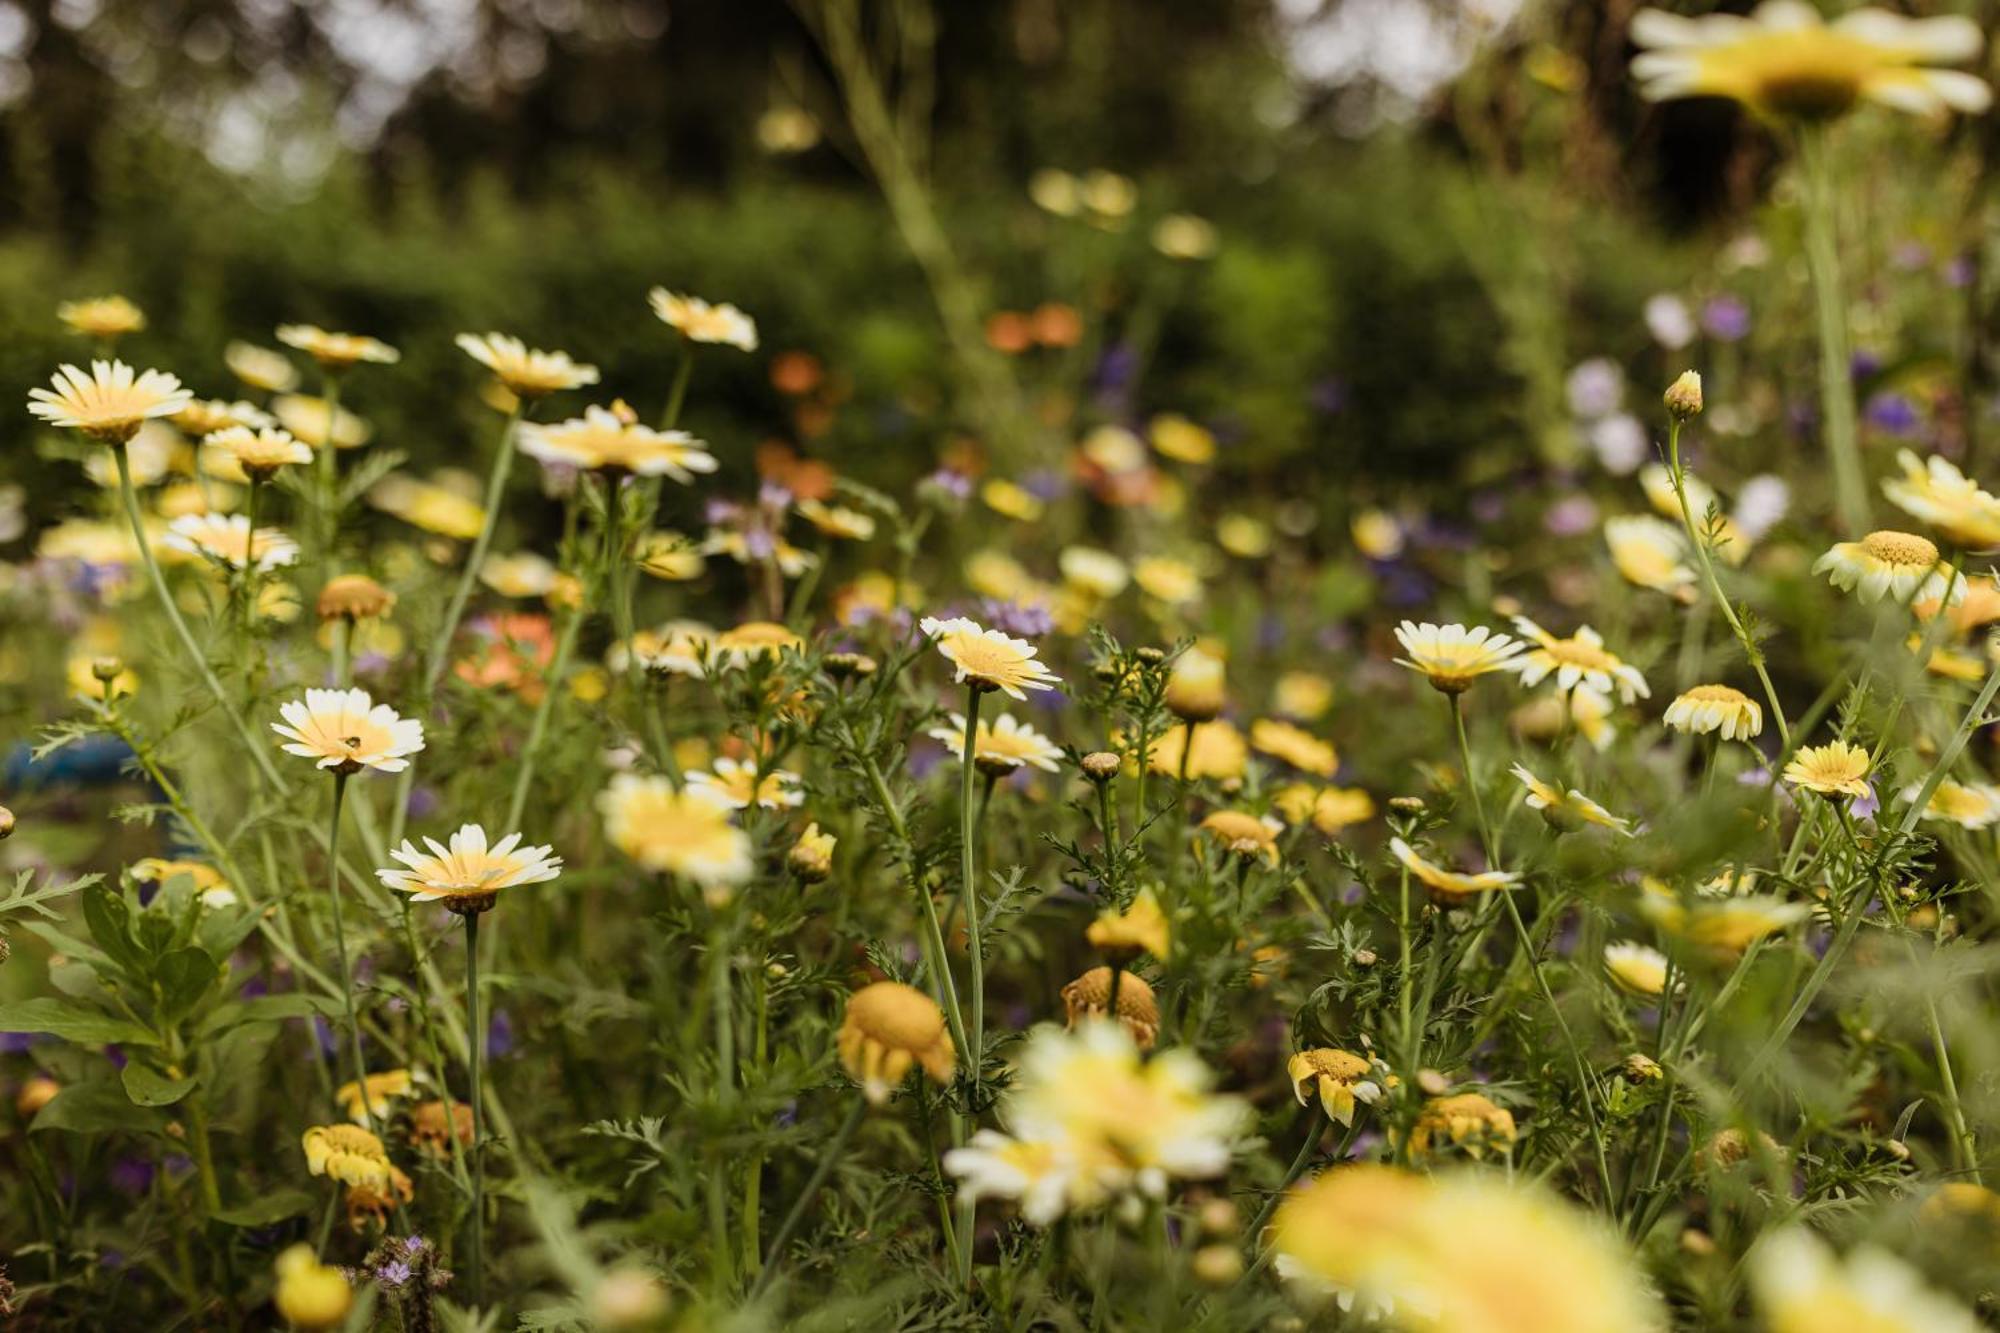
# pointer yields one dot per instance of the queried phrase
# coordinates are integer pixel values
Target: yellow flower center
(1577, 653)
(1900, 548)
(1718, 694)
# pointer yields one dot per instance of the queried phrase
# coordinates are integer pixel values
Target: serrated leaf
(148, 1087)
(72, 1022)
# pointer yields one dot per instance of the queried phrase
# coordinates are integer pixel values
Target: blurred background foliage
(1426, 211)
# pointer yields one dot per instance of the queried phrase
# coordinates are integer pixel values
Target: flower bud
(106, 669)
(846, 666)
(811, 857)
(1101, 765)
(1683, 396)
(36, 1093)
(1218, 1265)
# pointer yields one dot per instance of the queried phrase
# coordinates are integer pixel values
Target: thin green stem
(496, 491)
(340, 947)
(789, 1228)
(475, 1051)
(969, 883)
(1836, 378)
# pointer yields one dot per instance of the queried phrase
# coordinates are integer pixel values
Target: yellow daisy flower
(1180, 439)
(1636, 967)
(427, 505)
(1295, 746)
(1885, 564)
(255, 453)
(228, 538)
(1000, 745)
(1241, 834)
(1467, 1120)
(1196, 682)
(1302, 696)
(1702, 501)
(670, 556)
(383, 1088)
(1567, 810)
(1341, 1078)
(1142, 926)
(987, 658)
(1833, 769)
(317, 421)
(600, 441)
(686, 833)
(1942, 496)
(260, 367)
(1716, 708)
(1330, 809)
(698, 321)
(1785, 62)
(1580, 659)
(346, 1153)
(107, 317)
(1219, 752)
(527, 374)
(110, 403)
(837, 521)
(1973, 805)
(1451, 657)
(1801, 1287)
(519, 574)
(1450, 883)
(347, 731)
(337, 351)
(466, 875)
(1011, 500)
(1089, 997)
(734, 783)
(1649, 552)
(205, 416)
(887, 1029)
(1097, 572)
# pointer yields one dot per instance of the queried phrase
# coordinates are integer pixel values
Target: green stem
(1751, 651)
(1836, 379)
(793, 1219)
(969, 884)
(340, 948)
(524, 766)
(475, 1052)
(130, 498)
(496, 491)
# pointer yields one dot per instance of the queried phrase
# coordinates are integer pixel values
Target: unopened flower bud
(1218, 1265)
(1642, 1068)
(1407, 805)
(628, 1299)
(1101, 765)
(849, 666)
(1697, 1243)
(1150, 656)
(106, 669)
(1683, 396)
(1365, 958)
(6, 822)
(1433, 1083)
(36, 1093)
(811, 857)
(1219, 1217)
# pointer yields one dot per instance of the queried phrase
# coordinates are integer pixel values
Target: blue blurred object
(95, 761)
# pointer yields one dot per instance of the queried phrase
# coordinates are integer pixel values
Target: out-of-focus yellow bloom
(527, 374)
(105, 317)
(1244, 537)
(383, 1088)
(86, 683)
(671, 556)
(1218, 752)
(260, 367)
(811, 857)
(1784, 61)
(1377, 534)
(1114, 449)
(1935, 491)
(1095, 571)
(1180, 439)
(1722, 927)
(1000, 744)
(1971, 805)
(1330, 809)
(310, 1295)
(1636, 967)
(1011, 500)
(736, 784)
(998, 575)
(427, 505)
(888, 1028)
(336, 351)
(1295, 746)
(837, 521)
(1579, 659)
(317, 421)
(1142, 926)
(1303, 696)
(1184, 236)
(1197, 683)
(1650, 552)
(1166, 579)
(1244, 835)
(684, 832)
(1802, 1288)
(755, 638)
(204, 417)
(702, 322)
(1658, 483)
(1462, 1252)
(1467, 1120)
(602, 441)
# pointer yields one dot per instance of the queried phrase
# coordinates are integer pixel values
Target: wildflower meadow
(1356, 695)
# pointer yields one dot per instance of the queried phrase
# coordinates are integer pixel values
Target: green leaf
(268, 1007)
(182, 978)
(72, 1022)
(147, 1087)
(266, 1209)
(23, 898)
(97, 1108)
(110, 920)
